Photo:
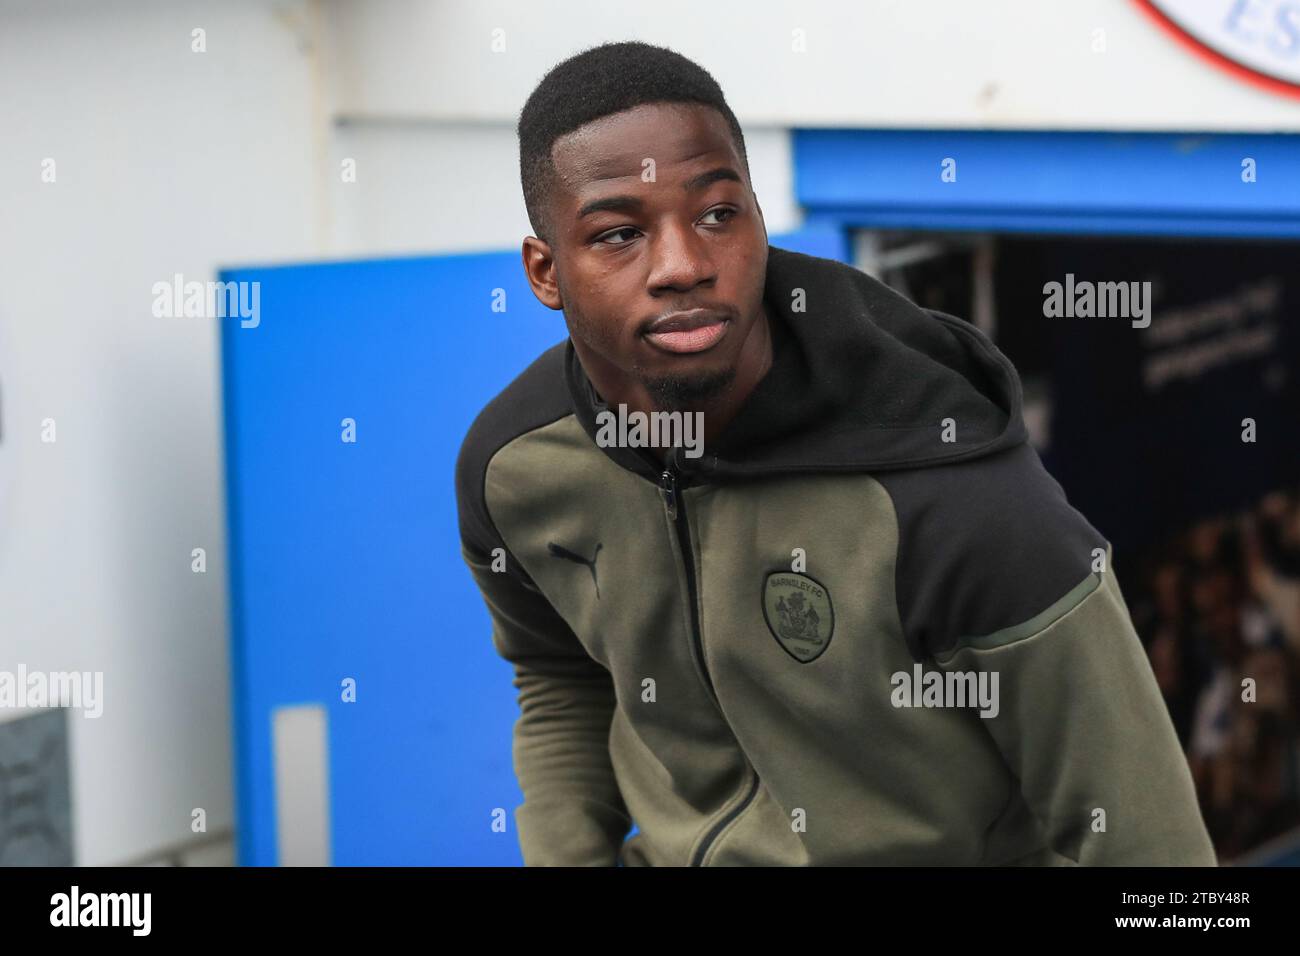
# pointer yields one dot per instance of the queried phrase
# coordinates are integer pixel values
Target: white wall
(879, 63)
(167, 161)
(428, 187)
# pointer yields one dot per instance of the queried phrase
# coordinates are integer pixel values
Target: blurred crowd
(1219, 614)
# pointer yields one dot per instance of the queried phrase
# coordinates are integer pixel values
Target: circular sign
(1256, 40)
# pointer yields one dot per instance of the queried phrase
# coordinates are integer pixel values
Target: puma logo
(561, 552)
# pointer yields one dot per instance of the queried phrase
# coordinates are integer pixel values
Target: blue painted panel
(343, 557)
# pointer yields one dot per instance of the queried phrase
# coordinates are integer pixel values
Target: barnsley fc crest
(798, 613)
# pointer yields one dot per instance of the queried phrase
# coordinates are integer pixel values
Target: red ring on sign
(1251, 75)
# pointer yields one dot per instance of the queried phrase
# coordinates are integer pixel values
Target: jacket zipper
(677, 513)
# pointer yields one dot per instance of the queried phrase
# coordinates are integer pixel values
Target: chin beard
(677, 393)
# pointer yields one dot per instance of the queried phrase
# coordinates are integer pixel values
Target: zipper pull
(668, 484)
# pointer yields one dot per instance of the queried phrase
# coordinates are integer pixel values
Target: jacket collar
(862, 379)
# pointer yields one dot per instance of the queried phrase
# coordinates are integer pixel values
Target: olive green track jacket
(864, 627)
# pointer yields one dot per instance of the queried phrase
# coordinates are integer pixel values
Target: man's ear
(539, 267)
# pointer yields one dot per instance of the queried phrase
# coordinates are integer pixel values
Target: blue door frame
(1158, 184)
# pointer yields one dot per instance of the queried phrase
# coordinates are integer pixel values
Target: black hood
(860, 381)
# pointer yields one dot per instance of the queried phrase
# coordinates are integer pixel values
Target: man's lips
(684, 332)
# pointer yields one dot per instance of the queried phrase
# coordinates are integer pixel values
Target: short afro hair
(597, 82)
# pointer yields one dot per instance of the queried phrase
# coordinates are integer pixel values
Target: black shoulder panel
(983, 545)
(537, 397)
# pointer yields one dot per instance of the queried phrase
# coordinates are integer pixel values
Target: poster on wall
(1172, 370)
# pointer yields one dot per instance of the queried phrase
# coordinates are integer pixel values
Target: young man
(863, 626)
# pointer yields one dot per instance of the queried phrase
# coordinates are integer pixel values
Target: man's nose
(681, 259)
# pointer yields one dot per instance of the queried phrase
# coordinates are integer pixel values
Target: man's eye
(720, 211)
(606, 236)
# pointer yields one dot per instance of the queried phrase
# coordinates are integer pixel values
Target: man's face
(653, 215)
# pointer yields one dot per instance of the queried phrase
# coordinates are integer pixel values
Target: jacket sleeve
(1082, 724)
(999, 575)
(573, 812)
